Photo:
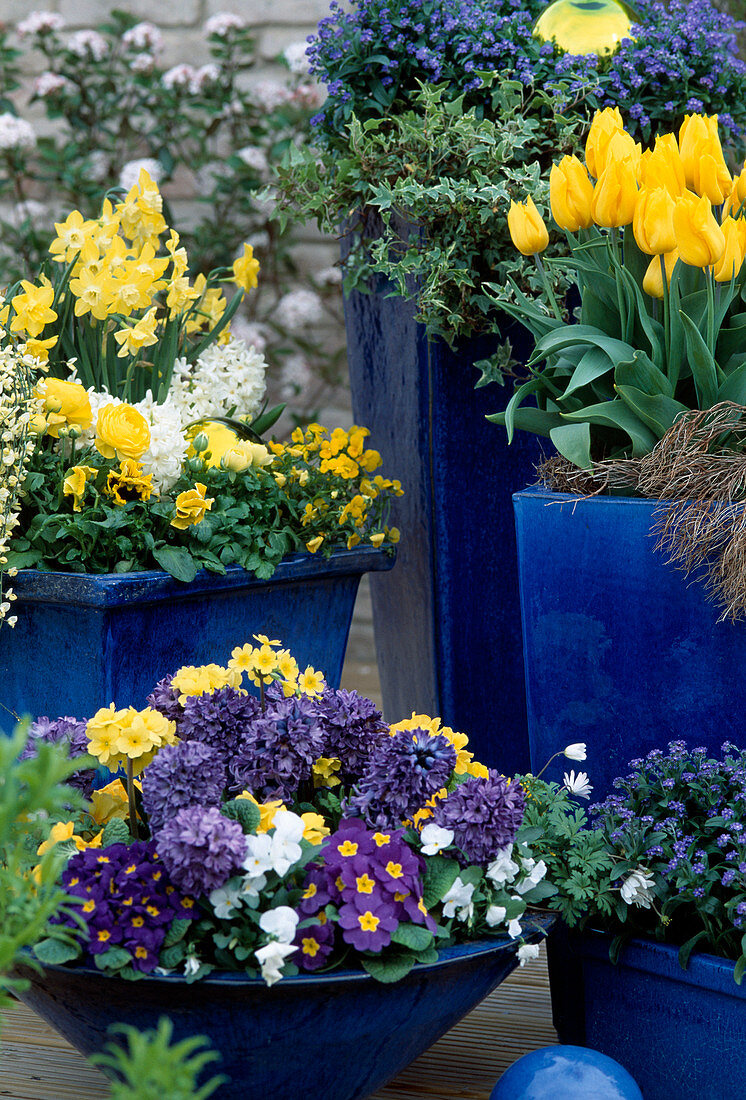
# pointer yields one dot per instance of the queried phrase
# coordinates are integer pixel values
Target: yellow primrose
(33, 308)
(75, 482)
(527, 229)
(103, 735)
(110, 801)
(129, 483)
(570, 194)
(246, 270)
(66, 405)
(324, 771)
(311, 682)
(191, 507)
(122, 432)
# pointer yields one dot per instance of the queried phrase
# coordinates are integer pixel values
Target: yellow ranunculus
(75, 483)
(702, 156)
(615, 195)
(663, 167)
(66, 404)
(652, 224)
(246, 270)
(570, 194)
(603, 127)
(731, 260)
(244, 455)
(699, 238)
(191, 506)
(129, 483)
(527, 229)
(652, 282)
(122, 432)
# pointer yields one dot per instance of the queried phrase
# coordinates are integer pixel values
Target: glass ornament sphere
(585, 26)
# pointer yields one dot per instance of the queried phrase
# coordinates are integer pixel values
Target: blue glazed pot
(447, 619)
(337, 1036)
(83, 641)
(680, 1033)
(622, 651)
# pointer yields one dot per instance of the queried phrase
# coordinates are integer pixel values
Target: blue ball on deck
(566, 1073)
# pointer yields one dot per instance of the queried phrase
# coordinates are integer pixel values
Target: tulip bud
(527, 229)
(699, 238)
(663, 167)
(702, 156)
(652, 282)
(653, 222)
(729, 264)
(615, 195)
(570, 194)
(603, 127)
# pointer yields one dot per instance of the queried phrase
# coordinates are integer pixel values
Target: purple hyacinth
(404, 771)
(200, 848)
(279, 751)
(185, 774)
(354, 728)
(221, 718)
(484, 813)
(67, 732)
(165, 699)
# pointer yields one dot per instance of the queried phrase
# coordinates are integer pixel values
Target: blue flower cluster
(681, 57)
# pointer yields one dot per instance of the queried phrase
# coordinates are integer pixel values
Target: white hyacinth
(130, 172)
(16, 133)
(227, 378)
(298, 309)
(167, 451)
(40, 22)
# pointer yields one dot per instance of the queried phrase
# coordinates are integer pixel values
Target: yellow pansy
(75, 483)
(191, 507)
(129, 483)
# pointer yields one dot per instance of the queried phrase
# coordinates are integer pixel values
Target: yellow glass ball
(585, 26)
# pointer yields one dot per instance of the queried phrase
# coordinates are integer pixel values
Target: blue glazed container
(680, 1033)
(447, 619)
(622, 651)
(84, 641)
(337, 1036)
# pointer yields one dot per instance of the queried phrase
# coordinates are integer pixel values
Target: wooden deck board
(37, 1064)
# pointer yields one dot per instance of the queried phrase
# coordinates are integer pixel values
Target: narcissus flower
(527, 229)
(570, 194)
(699, 238)
(33, 308)
(246, 270)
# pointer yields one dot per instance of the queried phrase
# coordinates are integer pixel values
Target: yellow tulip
(702, 156)
(663, 167)
(527, 229)
(652, 282)
(652, 224)
(731, 260)
(570, 194)
(699, 238)
(603, 127)
(615, 195)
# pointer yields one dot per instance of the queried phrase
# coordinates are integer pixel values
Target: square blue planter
(680, 1033)
(83, 641)
(622, 651)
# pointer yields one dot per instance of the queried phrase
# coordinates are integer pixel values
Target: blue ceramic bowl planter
(622, 651)
(83, 641)
(447, 619)
(336, 1036)
(680, 1033)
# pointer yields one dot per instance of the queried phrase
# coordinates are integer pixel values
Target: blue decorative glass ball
(566, 1073)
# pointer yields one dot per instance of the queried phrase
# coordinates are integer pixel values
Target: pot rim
(536, 492)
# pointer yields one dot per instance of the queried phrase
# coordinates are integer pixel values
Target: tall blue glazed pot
(84, 641)
(336, 1036)
(622, 651)
(447, 620)
(680, 1033)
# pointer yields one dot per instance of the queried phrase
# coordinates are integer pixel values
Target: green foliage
(425, 194)
(244, 811)
(151, 1067)
(31, 792)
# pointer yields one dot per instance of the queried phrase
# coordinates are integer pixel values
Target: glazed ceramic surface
(566, 1073)
(84, 641)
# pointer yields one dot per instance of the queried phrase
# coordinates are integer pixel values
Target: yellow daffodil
(33, 308)
(71, 236)
(246, 270)
(40, 348)
(140, 335)
(527, 229)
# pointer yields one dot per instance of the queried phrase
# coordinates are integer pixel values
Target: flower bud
(200, 443)
(570, 194)
(652, 282)
(652, 224)
(699, 238)
(527, 229)
(603, 127)
(615, 195)
(729, 264)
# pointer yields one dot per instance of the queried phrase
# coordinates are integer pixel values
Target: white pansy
(636, 888)
(130, 172)
(577, 784)
(296, 56)
(285, 849)
(281, 923)
(503, 868)
(271, 959)
(534, 873)
(225, 901)
(252, 886)
(191, 965)
(514, 928)
(16, 133)
(458, 901)
(258, 858)
(527, 952)
(576, 751)
(434, 839)
(495, 915)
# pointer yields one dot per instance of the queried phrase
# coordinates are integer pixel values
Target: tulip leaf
(593, 365)
(657, 410)
(734, 386)
(599, 311)
(652, 329)
(732, 339)
(643, 374)
(573, 441)
(616, 414)
(515, 402)
(529, 419)
(635, 261)
(703, 366)
(568, 335)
